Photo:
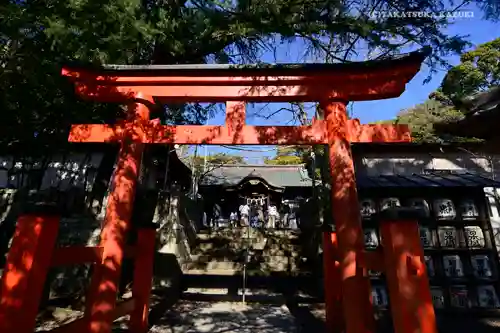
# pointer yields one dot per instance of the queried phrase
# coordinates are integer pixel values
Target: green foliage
(286, 155)
(283, 160)
(478, 71)
(422, 117)
(221, 159)
(204, 165)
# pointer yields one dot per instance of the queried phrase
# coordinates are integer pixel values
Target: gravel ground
(230, 317)
(200, 317)
(225, 317)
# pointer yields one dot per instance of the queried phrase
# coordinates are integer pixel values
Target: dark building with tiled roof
(275, 175)
(231, 185)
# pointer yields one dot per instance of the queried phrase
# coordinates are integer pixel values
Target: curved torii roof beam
(356, 81)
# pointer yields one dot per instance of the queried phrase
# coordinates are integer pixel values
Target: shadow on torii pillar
(141, 88)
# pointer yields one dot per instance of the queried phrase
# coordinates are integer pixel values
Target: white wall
(405, 164)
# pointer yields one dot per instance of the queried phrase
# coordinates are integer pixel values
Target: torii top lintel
(238, 84)
(355, 81)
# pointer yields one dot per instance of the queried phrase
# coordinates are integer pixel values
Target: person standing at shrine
(216, 215)
(260, 215)
(272, 213)
(244, 212)
(292, 217)
(253, 214)
(286, 214)
(233, 219)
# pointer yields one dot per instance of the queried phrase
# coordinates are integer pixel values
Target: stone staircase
(226, 251)
(217, 269)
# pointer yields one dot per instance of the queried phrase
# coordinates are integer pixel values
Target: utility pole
(193, 173)
(205, 166)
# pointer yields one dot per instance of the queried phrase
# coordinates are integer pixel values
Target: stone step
(235, 270)
(257, 287)
(259, 243)
(239, 257)
(250, 294)
(239, 234)
(261, 264)
(225, 291)
(232, 252)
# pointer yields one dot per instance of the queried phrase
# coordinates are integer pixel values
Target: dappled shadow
(62, 181)
(225, 318)
(260, 251)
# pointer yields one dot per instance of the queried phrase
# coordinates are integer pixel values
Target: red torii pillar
(331, 85)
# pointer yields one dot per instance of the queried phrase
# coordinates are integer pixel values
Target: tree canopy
(38, 37)
(285, 155)
(421, 118)
(203, 165)
(478, 70)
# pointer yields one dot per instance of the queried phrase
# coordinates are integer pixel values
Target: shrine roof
(296, 176)
(482, 115)
(277, 69)
(397, 148)
(426, 180)
(275, 175)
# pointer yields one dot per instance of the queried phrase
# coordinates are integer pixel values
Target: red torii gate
(143, 87)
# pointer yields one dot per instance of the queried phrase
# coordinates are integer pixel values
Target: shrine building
(455, 184)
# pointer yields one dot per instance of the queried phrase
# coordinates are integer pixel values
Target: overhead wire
(252, 150)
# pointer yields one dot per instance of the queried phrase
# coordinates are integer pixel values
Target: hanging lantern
(426, 237)
(371, 238)
(459, 297)
(437, 294)
(389, 203)
(468, 210)
(453, 266)
(487, 297)
(429, 264)
(444, 209)
(481, 266)
(448, 237)
(379, 296)
(367, 208)
(474, 236)
(421, 204)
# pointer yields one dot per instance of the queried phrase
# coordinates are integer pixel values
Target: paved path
(225, 317)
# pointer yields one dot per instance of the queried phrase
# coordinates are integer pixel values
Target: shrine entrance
(144, 89)
(256, 193)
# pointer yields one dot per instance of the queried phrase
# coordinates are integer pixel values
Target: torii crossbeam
(146, 87)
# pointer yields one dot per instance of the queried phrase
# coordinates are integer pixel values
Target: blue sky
(478, 30)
